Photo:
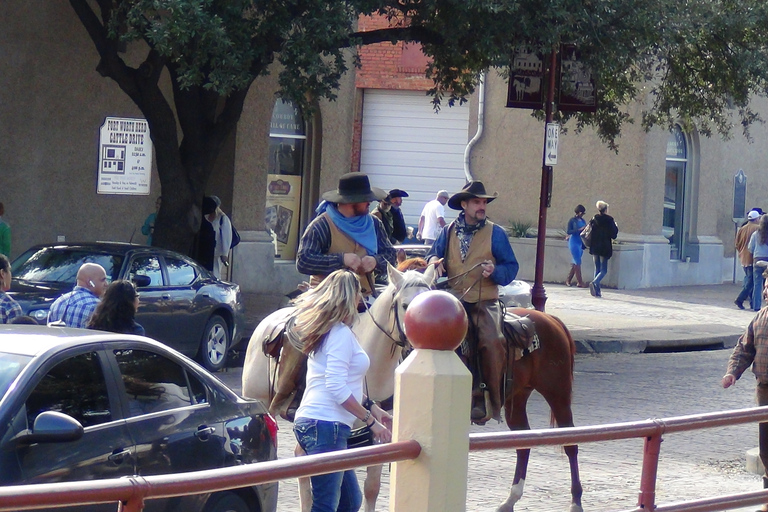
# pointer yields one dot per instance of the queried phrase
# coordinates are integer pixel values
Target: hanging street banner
(526, 80)
(578, 91)
(125, 157)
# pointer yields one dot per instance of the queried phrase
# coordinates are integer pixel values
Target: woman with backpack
(604, 231)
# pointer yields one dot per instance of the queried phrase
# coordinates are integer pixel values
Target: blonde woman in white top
(332, 400)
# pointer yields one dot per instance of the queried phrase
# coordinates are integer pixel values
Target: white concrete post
(432, 405)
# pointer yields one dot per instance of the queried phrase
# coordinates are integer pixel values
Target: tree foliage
(699, 61)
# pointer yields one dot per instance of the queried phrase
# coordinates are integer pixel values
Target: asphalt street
(611, 388)
(615, 381)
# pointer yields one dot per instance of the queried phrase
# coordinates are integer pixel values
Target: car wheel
(215, 343)
(226, 502)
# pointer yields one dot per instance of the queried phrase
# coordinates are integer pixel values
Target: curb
(650, 341)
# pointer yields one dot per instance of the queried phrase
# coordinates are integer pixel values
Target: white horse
(381, 333)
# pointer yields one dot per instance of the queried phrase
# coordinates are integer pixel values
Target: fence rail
(132, 491)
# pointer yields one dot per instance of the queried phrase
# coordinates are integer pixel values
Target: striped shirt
(9, 308)
(752, 349)
(313, 257)
(74, 308)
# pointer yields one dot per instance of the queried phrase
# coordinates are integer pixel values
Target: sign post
(739, 208)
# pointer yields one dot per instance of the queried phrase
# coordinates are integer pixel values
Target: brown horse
(548, 370)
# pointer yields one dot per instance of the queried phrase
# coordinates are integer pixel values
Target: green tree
(697, 60)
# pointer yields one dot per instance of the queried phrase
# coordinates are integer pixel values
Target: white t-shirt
(334, 371)
(432, 211)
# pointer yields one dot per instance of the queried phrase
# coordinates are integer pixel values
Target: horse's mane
(412, 264)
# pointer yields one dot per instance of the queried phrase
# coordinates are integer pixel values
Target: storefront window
(674, 192)
(287, 140)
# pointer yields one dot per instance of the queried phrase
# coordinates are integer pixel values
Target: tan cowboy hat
(354, 187)
(474, 188)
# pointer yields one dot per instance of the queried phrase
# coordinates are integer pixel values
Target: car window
(75, 386)
(180, 273)
(10, 367)
(58, 264)
(155, 383)
(147, 266)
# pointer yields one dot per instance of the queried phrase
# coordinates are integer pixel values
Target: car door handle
(166, 296)
(119, 455)
(204, 432)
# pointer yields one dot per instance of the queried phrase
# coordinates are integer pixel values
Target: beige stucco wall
(52, 103)
(508, 158)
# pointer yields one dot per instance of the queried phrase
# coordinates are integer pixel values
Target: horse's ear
(395, 276)
(430, 274)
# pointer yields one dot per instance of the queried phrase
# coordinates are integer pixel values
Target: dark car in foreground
(84, 405)
(181, 303)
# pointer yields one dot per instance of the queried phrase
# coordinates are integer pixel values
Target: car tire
(226, 502)
(215, 344)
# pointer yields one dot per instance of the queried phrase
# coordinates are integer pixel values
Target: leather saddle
(520, 332)
(281, 343)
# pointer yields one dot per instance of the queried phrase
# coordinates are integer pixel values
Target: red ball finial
(435, 320)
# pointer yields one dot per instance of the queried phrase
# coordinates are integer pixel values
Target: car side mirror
(141, 281)
(51, 427)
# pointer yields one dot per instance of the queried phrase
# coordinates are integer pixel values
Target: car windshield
(10, 367)
(60, 265)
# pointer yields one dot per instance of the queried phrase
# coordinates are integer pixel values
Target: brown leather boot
(579, 280)
(569, 279)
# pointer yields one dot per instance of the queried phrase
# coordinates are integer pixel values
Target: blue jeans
(757, 287)
(333, 492)
(601, 269)
(746, 289)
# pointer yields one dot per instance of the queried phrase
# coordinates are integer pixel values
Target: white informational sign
(553, 136)
(125, 157)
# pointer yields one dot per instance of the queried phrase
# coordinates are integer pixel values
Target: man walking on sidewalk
(752, 350)
(742, 239)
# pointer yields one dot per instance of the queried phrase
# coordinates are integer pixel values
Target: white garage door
(407, 145)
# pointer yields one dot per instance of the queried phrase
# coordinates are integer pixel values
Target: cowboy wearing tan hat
(345, 235)
(477, 256)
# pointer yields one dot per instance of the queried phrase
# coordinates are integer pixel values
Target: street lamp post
(538, 295)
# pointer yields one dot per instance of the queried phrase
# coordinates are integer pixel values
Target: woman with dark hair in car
(9, 308)
(117, 309)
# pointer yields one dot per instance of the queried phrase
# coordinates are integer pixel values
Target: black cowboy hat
(396, 192)
(474, 188)
(354, 187)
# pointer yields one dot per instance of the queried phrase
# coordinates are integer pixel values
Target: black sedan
(84, 405)
(181, 303)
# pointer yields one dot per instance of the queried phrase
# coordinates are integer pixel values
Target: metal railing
(132, 491)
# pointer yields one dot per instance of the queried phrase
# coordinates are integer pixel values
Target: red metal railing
(652, 431)
(132, 492)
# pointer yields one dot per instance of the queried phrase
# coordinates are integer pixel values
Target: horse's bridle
(401, 340)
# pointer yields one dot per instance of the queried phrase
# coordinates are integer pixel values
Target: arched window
(674, 222)
(287, 141)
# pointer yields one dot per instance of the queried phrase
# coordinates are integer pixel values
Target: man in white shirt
(432, 218)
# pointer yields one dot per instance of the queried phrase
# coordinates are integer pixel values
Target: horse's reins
(403, 339)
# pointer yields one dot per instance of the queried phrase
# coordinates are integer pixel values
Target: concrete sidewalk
(655, 319)
(631, 321)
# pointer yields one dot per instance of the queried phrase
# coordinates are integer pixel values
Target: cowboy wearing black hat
(478, 257)
(388, 212)
(345, 235)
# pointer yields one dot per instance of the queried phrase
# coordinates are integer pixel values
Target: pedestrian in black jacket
(604, 230)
